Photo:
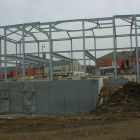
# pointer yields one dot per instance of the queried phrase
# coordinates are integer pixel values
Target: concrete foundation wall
(115, 81)
(49, 97)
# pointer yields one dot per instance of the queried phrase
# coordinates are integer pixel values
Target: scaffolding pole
(137, 52)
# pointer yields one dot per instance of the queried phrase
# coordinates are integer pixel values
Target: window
(101, 62)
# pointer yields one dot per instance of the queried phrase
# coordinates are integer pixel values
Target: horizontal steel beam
(81, 37)
(27, 60)
(89, 55)
(61, 57)
(21, 59)
(19, 25)
(36, 58)
(90, 50)
(8, 62)
(73, 20)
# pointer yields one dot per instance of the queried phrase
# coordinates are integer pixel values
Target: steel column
(19, 75)
(0, 61)
(38, 45)
(115, 48)
(5, 55)
(95, 54)
(71, 56)
(23, 49)
(137, 52)
(131, 44)
(38, 49)
(16, 63)
(84, 45)
(20, 49)
(51, 52)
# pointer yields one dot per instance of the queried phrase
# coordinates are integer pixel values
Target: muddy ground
(108, 126)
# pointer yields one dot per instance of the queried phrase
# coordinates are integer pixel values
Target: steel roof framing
(48, 28)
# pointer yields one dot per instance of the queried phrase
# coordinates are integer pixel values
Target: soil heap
(118, 99)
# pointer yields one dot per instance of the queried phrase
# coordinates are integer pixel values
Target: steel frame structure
(31, 30)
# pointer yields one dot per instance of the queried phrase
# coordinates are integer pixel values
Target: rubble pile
(128, 94)
(119, 99)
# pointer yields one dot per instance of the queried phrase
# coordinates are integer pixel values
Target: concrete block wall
(49, 97)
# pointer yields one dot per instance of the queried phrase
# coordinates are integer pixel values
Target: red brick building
(28, 72)
(12, 72)
(105, 64)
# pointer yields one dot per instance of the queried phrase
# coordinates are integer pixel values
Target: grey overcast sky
(23, 11)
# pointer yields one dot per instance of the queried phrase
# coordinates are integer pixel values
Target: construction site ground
(117, 118)
(108, 126)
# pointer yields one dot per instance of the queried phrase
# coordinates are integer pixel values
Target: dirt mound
(128, 94)
(118, 99)
(132, 89)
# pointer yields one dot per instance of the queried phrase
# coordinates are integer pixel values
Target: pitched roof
(122, 54)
